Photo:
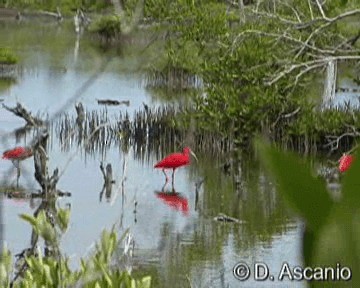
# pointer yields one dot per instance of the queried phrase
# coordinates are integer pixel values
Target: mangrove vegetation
(263, 67)
(269, 67)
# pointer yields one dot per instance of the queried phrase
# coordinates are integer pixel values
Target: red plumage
(174, 161)
(174, 200)
(17, 153)
(345, 162)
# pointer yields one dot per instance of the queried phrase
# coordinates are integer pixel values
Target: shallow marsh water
(179, 246)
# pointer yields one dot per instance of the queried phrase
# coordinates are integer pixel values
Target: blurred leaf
(305, 193)
(309, 241)
(45, 229)
(351, 184)
(30, 219)
(145, 282)
(338, 245)
(64, 218)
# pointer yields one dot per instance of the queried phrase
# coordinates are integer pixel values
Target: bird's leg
(173, 176)
(163, 188)
(16, 163)
(166, 177)
(18, 176)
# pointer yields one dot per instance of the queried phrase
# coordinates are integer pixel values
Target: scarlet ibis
(175, 160)
(345, 162)
(16, 155)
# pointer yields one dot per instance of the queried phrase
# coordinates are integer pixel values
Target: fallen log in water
(113, 102)
(225, 218)
(25, 195)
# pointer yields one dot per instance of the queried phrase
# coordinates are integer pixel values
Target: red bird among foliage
(175, 160)
(345, 162)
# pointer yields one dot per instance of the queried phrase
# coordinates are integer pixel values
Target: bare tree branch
(321, 9)
(310, 9)
(328, 22)
(286, 37)
(275, 16)
(308, 66)
(334, 144)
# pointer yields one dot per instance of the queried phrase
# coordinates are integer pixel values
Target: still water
(179, 245)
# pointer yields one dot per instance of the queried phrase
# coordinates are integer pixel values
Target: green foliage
(157, 9)
(7, 57)
(332, 228)
(107, 27)
(194, 27)
(5, 268)
(54, 271)
(65, 6)
(41, 226)
(255, 72)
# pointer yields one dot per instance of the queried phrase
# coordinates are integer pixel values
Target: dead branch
(56, 15)
(20, 111)
(275, 16)
(48, 184)
(319, 56)
(286, 37)
(285, 116)
(334, 141)
(329, 21)
(321, 10)
(349, 42)
(112, 102)
(310, 9)
(308, 66)
(108, 181)
(225, 218)
(80, 112)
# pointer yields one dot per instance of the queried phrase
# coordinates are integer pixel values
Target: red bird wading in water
(16, 155)
(175, 160)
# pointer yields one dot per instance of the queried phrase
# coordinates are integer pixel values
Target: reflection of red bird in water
(345, 162)
(175, 160)
(175, 201)
(16, 155)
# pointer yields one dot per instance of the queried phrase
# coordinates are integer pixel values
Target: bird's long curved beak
(193, 154)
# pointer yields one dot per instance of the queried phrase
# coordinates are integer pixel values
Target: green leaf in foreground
(332, 231)
(351, 184)
(30, 219)
(304, 192)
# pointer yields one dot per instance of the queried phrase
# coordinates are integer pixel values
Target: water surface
(180, 245)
